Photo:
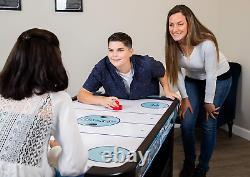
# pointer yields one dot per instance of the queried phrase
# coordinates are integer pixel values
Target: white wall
(83, 36)
(234, 37)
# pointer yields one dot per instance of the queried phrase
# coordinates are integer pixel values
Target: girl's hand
(53, 143)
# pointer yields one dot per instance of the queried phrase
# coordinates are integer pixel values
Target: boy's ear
(131, 51)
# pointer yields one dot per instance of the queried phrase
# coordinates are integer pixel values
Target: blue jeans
(196, 94)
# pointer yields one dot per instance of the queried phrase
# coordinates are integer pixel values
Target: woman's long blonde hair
(196, 34)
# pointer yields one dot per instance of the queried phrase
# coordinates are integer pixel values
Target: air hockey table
(136, 141)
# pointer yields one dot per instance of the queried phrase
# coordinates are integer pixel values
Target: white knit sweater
(25, 129)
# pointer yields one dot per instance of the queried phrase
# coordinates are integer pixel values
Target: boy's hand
(109, 102)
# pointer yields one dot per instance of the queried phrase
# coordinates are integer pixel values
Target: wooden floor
(231, 157)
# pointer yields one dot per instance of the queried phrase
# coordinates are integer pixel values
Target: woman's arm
(166, 88)
(211, 67)
(185, 103)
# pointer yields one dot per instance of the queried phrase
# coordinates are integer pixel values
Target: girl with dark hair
(193, 47)
(34, 106)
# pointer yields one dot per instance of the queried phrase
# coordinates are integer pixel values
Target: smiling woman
(69, 5)
(10, 4)
(192, 47)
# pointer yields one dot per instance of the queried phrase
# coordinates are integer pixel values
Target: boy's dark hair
(121, 37)
(34, 66)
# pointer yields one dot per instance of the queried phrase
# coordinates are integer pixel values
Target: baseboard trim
(239, 131)
(177, 125)
(242, 132)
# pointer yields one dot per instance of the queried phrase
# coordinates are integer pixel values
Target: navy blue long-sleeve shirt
(147, 72)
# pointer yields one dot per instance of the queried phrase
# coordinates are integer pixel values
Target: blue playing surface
(108, 154)
(98, 120)
(154, 105)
